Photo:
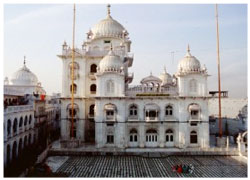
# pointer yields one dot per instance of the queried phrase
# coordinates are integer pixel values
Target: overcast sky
(156, 30)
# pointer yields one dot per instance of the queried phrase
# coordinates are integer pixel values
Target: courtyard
(138, 166)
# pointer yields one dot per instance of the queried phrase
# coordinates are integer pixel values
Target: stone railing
(21, 108)
(139, 89)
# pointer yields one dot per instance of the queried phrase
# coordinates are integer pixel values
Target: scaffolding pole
(72, 75)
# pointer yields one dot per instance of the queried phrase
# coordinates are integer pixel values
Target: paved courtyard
(137, 166)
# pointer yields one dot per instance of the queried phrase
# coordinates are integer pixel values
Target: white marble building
(165, 111)
(25, 113)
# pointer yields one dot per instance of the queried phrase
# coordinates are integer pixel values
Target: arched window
(110, 87)
(92, 110)
(21, 122)
(151, 135)
(93, 88)
(30, 119)
(74, 88)
(193, 85)
(133, 110)
(25, 120)
(76, 70)
(169, 135)
(169, 110)
(93, 68)
(133, 135)
(8, 127)
(15, 125)
(193, 137)
(75, 110)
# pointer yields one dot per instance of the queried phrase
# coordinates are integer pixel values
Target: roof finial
(108, 10)
(24, 60)
(188, 48)
(164, 69)
(150, 73)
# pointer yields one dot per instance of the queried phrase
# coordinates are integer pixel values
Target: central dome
(108, 27)
(24, 77)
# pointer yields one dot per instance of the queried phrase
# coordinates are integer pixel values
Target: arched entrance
(90, 125)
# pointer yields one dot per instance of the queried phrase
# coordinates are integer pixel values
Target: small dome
(24, 77)
(110, 62)
(165, 77)
(189, 64)
(108, 27)
(151, 79)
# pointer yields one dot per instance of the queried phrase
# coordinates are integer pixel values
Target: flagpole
(72, 75)
(218, 65)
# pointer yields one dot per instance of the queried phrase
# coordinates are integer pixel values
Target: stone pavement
(137, 166)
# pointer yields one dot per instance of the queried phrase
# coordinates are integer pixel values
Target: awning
(152, 107)
(110, 107)
(194, 107)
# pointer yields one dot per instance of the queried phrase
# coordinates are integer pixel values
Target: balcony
(129, 77)
(129, 59)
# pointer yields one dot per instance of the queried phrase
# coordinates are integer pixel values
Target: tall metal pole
(218, 63)
(72, 75)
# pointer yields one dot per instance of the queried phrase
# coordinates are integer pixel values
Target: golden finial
(24, 60)
(188, 48)
(108, 9)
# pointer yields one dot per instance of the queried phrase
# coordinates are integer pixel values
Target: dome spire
(24, 60)
(108, 10)
(164, 69)
(188, 51)
(188, 48)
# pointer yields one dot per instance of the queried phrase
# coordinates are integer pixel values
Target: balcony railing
(151, 119)
(133, 118)
(142, 90)
(110, 118)
(21, 108)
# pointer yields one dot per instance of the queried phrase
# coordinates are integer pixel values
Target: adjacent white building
(166, 111)
(27, 115)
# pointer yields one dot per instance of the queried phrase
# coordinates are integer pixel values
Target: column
(141, 135)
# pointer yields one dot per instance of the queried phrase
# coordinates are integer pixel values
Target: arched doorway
(151, 138)
(169, 138)
(133, 138)
(90, 125)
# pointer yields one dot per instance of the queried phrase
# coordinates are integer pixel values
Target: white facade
(24, 112)
(165, 111)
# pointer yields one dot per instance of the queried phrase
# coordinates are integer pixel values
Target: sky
(38, 31)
